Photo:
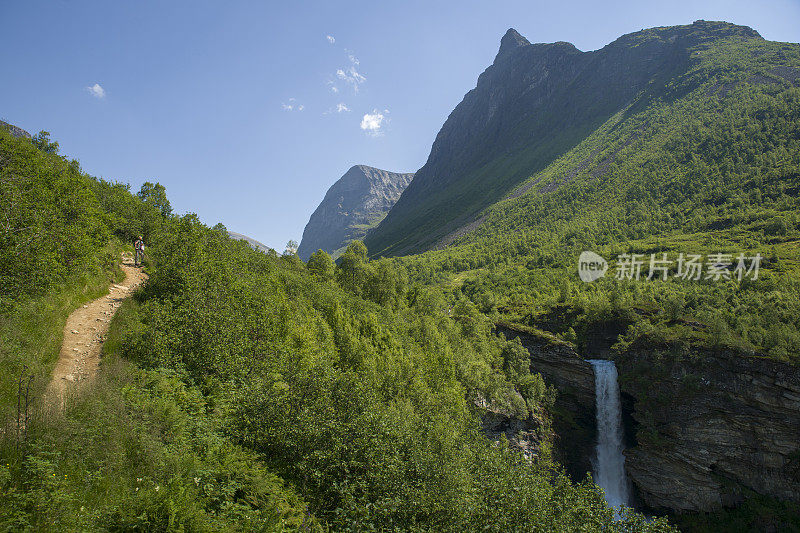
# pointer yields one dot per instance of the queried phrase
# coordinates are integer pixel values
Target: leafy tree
(291, 247)
(353, 270)
(42, 141)
(321, 264)
(155, 194)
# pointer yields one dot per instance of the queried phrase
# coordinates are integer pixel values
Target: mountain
(703, 161)
(351, 207)
(15, 130)
(261, 247)
(533, 104)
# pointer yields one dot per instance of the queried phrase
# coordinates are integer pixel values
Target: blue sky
(248, 111)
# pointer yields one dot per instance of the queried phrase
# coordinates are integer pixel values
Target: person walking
(138, 251)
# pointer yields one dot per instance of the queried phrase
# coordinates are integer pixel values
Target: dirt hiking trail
(85, 332)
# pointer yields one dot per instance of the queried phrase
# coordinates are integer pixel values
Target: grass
(32, 331)
(136, 450)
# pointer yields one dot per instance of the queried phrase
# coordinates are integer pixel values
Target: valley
(429, 358)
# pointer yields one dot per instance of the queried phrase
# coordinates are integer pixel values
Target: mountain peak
(351, 207)
(510, 41)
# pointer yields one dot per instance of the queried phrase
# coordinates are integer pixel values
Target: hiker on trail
(138, 251)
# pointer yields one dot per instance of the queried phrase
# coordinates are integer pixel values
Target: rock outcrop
(14, 130)
(574, 410)
(261, 247)
(712, 426)
(351, 207)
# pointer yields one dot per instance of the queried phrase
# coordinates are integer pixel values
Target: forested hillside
(246, 391)
(708, 166)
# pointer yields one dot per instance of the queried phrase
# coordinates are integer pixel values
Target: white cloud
(373, 122)
(351, 76)
(342, 108)
(330, 38)
(353, 59)
(97, 91)
(292, 105)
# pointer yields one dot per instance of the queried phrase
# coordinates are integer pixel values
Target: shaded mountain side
(351, 207)
(533, 104)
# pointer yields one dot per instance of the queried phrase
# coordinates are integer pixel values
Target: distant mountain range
(352, 206)
(252, 242)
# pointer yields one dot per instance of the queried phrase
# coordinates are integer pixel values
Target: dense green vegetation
(709, 165)
(247, 391)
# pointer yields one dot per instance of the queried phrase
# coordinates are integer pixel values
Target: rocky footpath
(712, 425)
(351, 207)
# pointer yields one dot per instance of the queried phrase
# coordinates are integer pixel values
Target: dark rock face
(535, 102)
(711, 425)
(574, 411)
(351, 207)
(527, 436)
(14, 130)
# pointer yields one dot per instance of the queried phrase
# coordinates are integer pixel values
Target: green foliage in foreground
(139, 453)
(259, 394)
(365, 407)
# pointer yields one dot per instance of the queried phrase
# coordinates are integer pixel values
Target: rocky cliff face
(535, 102)
(351, 207)
(712, 425)
(574, 411)
(702, 428)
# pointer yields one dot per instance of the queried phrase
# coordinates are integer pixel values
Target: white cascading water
(609, 464)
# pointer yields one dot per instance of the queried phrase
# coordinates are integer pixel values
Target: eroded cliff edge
(713, 424)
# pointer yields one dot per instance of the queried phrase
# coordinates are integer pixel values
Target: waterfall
(609, 464)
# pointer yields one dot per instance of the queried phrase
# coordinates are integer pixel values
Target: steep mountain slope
(351, 207)
(534, 103)
(708, 164)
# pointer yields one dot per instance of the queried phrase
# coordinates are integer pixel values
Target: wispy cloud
(353, 59)
(292, 105)
(96, 90)
(342, 108)
(372, 123)
(330, 38)
(350, 74)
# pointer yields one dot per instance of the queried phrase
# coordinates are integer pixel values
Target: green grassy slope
(536, 104)
(716, 170)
